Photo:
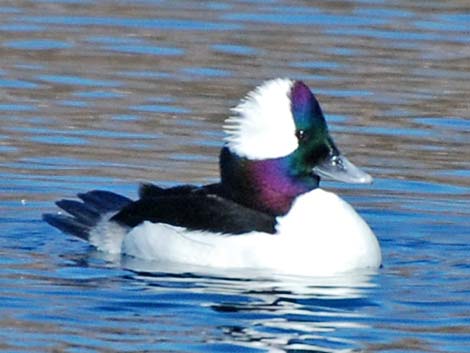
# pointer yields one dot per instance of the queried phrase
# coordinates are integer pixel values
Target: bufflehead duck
(267, 212)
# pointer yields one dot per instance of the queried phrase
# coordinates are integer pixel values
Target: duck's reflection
(271, 312)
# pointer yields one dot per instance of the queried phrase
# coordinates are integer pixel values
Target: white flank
(321, 235)
(263, 126)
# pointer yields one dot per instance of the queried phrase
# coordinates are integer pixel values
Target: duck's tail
(83, 216)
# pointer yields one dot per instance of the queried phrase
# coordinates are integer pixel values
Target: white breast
(321, 234)
(328, 234)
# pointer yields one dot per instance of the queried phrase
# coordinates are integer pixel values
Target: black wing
(194, 208)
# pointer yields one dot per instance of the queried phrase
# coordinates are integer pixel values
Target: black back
(195, 208)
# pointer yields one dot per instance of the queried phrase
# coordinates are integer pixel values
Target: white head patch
(262, 126)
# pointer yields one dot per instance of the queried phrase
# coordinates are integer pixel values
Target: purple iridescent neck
(265, 185)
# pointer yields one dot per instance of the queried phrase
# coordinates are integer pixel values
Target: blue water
(110, 94)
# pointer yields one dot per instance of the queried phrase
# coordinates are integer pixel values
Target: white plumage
(262, 126)
(321, 234)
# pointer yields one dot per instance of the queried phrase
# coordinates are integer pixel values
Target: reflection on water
(289, 313)
(106, 94)
(158, 309)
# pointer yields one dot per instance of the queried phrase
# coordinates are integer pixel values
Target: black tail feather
(67, 225)
(104, 201)
(83, 216)
(82, 212)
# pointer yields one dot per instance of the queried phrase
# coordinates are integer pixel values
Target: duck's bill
(338, 167)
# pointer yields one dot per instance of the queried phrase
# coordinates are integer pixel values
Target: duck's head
(278, 143)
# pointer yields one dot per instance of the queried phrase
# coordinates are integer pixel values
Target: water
(107, 94)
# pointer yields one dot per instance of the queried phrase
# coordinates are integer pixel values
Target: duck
(267, 212)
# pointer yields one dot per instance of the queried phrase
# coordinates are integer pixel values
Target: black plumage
(83, 216)
(196, 211)
(202, 208)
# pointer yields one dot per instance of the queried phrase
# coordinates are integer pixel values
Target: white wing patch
(263, 126)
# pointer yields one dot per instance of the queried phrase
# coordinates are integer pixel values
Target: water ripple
(103, 95)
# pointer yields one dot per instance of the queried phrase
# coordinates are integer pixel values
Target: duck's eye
(301, 135)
